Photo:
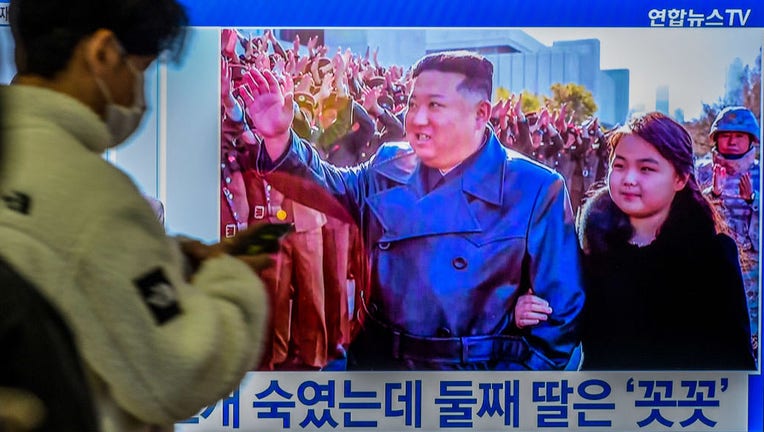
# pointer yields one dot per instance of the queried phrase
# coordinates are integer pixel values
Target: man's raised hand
(269, 109)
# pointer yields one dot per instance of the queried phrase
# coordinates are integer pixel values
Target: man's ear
(483, 112)
(101, 52)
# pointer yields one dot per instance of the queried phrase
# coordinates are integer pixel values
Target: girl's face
(641, 181)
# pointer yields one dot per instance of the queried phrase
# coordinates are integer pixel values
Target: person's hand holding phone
(255, 246)
(262, 238)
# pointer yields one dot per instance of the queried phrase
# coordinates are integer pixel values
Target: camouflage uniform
(741, 216)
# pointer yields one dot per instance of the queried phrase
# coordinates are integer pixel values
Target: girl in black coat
(664, 286)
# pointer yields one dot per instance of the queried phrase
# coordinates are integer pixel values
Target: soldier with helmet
(731, 180)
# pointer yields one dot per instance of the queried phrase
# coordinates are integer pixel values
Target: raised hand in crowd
(287, 84)
(398, 72)
(389, 79)
(262, 61)
(586, 130)
(312, 43)
(338, 60)
(369, 100)
(544, 118)
(262, 43)
(325, 90)
(340, 74)
(296, 44)
(291, 64)
(226, 78)
(534, 124)
(347, 56)
(593, 127)
(571, 123)
(279, 65)
(518, 109)
(503, 114)
(583, 130)
(570, 139)
(374, 58)
(560, 124)
(301, 66)
(268, 35)
(314, 70)
(304, 84)
(250, 50)
(229, 38)
(233, 110)
(354, 68)
(269, 38)
(495, 109)
(366, 73)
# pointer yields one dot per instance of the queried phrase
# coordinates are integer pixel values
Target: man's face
(443, 125)
(733, 143)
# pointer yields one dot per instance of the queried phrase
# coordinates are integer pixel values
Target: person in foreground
(456, 225)
(158, 343)
(663, 282)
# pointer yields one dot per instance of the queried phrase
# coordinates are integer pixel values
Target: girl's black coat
(678, 303)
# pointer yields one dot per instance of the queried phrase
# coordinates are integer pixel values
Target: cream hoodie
(78, 228)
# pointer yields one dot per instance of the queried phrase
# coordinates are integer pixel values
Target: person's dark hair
(47, 31)
(477, 70)
(674, 143)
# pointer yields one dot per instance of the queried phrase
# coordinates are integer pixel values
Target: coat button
(443, 332)
(459, 263)
(384, 245)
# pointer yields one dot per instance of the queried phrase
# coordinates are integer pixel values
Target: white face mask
(122, 121)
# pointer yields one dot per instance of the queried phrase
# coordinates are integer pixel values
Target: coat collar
(405, 211)
(484, 179)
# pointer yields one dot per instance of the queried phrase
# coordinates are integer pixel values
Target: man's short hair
(47, 31)
(477, 70)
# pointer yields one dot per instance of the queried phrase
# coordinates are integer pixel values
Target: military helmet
(735, 119)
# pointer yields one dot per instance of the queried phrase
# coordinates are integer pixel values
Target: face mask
(123, 121)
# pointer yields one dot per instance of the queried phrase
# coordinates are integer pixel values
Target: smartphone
(265, 239)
